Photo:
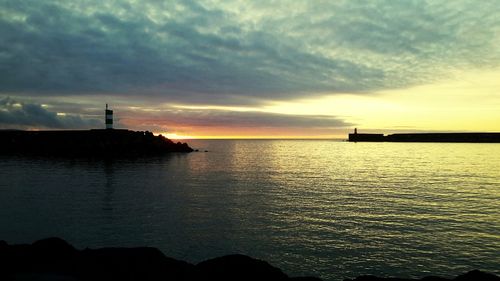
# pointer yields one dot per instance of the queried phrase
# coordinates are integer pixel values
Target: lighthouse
(108, 113)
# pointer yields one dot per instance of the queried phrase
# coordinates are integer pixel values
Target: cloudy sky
(216, 68)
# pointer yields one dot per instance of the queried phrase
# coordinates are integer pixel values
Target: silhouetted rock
(477, 275)
(53, 247)
(238, 267)
(375, 278)
(87, 143)
(474, 275)
(55, 259)
(131, 264)
(304, 278)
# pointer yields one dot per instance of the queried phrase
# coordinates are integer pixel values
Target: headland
(101, 142)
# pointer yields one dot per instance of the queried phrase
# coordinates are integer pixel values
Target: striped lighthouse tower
(109, 118)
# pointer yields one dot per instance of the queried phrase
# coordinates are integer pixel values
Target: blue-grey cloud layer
(16, 114)
(223, 52)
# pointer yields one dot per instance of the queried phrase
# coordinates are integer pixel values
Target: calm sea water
(325, 208)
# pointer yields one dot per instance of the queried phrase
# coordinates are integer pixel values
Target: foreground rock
(87, 143)
(55, 259)
(474, 275)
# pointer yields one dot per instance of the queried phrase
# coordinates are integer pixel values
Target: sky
(251, 69)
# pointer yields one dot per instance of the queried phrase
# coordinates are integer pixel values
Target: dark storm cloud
(239, 52)
(15, 114)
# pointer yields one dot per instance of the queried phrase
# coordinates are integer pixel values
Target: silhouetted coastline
(106, 143)
(55, 259)
(427, 137)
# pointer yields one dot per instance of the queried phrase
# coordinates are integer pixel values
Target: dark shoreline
(85, 143)
(55, 259)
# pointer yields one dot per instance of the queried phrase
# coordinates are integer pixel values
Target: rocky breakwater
(109, 142)
(55, 259)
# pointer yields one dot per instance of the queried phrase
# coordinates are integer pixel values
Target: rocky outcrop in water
(106, 143)
(55, 259)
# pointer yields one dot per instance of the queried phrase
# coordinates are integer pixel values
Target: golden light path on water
(335, 206)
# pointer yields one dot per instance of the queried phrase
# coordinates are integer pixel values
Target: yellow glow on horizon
(261, 137)
(174, 136)
(470, 103)
(250, 135)
(201, 132)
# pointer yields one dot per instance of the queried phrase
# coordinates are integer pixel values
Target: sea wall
(428, 137)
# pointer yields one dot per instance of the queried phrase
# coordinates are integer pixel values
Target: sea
(325, 208)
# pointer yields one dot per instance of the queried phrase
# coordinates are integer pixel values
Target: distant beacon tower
(109, 118)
